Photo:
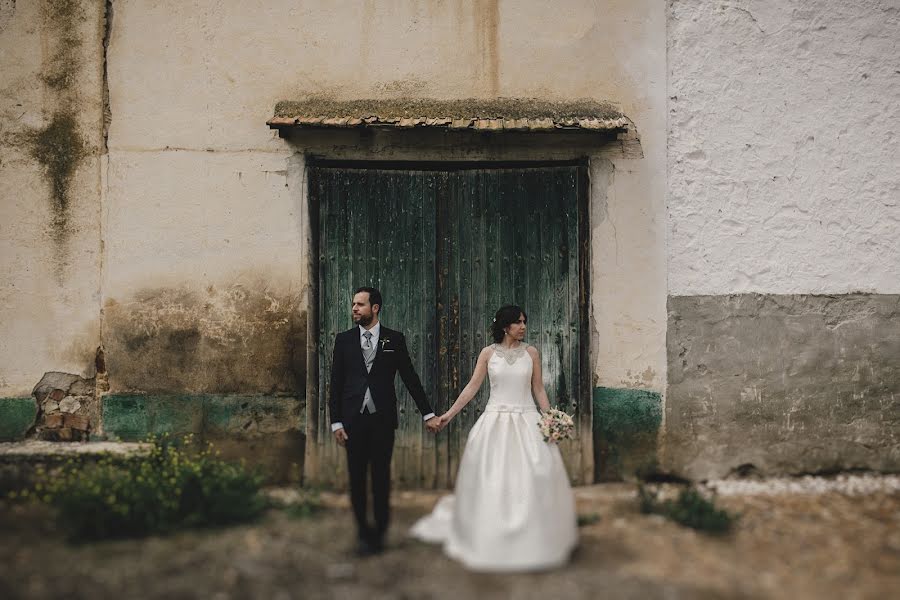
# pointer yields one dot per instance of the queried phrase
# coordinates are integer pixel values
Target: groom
(363, 407)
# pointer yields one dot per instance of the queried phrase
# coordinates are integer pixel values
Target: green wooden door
(447, 247)
(376, 228)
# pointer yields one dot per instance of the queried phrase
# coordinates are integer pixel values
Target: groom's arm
(412, 382)
(337, 387)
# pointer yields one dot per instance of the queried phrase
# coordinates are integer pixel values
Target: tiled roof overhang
(497, 115)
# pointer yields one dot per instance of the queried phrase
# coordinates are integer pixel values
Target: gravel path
(806, 538)
(851, 484)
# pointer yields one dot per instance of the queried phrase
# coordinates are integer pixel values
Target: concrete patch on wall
(626, 425)
(16, 417)
(7, 11)
(265, 431)
(782, 384)
(237, 338)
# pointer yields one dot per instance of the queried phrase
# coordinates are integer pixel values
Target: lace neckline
(510, 355)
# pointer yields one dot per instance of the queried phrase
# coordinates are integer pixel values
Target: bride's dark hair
(506, 316)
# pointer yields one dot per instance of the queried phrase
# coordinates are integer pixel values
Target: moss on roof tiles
(473, 108)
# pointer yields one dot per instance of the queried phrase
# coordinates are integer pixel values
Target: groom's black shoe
(365, 548)
(377, 544)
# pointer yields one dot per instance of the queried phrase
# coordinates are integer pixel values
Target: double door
(447, 247)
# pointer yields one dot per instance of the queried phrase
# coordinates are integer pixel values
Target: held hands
(436, 424)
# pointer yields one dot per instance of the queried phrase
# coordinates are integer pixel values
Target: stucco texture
(782, 384)
(51, 115)
(783, 146)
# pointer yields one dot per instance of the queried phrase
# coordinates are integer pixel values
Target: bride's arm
(537, 380)
(472, 387)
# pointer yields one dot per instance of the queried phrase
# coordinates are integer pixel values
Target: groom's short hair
(374, 296)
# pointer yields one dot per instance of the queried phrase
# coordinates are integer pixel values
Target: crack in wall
(107, 112)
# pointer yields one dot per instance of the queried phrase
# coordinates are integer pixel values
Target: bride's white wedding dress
(513, 508)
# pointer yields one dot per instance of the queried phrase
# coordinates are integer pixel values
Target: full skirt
(513, 508)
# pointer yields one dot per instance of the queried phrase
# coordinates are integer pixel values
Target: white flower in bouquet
(556, 425)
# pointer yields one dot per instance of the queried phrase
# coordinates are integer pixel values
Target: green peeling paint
(16, 417)
(132, 417)
(263, 414)
(626, 423)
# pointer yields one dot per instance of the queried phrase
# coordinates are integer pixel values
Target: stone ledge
(19, 460)
(39, 449)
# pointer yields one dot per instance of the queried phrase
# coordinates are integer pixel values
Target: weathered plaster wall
(51, 136)
(784, 146)
(200, 194)
(783, 181)
(202, 278)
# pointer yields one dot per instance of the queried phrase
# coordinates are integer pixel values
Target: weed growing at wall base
(690, 509)
(174, 486)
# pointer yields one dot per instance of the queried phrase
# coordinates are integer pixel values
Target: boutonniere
(384, 342)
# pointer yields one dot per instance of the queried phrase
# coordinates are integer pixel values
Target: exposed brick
(79, 422)
(53, 421)
(57, 395)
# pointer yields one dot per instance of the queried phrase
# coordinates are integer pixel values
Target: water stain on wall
(228, 339)
(60, 146)
(487, 33)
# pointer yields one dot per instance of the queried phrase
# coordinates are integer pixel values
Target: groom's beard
(363, 320)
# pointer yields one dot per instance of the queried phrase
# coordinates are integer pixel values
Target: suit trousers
(370, 446)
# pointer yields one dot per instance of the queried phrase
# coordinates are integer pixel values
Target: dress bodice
(509, 371)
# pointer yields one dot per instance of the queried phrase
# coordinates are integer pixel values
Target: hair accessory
(493, 320)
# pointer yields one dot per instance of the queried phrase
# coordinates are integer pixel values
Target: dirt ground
(797, 545)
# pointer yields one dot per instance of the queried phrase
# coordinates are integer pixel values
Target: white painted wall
(784, 146)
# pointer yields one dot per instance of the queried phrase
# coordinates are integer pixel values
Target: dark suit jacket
(349, 378)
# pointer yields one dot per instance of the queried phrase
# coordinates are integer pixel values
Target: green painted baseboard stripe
(620, 413)
(626, 423)
(16, 417)
(131, 417)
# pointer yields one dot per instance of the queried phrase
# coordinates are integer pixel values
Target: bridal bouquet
(555, 425)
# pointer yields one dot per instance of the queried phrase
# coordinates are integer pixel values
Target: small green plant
(308, 505)
(690, 509)
(588, 519)
(172, 487)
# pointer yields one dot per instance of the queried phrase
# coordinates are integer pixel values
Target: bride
(513, 508)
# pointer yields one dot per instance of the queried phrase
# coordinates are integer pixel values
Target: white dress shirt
(368, 403)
